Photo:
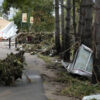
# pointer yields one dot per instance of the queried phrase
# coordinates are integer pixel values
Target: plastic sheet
(8, 31)
(92, 97)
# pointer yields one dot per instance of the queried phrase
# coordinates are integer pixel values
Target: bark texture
(67, 31)
(57, 26)
(86, 37)
(74, 18)
(96, 71)
(62, 23)
(81, 26)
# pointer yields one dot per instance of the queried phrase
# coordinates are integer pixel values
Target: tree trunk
(62, 23)
(86, 37)
(96, 74)
(74, 17)
(57, 26)
(81, 25)
(67, 32)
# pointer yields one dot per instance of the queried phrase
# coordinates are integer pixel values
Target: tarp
(7, 29)
(92, 97)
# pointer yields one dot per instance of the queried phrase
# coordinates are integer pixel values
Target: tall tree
(86, 37)
(74, 17)
(67, 31)
(96, 74)
(57, 27)
(62, 23)
(0, 11)
(81, 25)
(41, 10)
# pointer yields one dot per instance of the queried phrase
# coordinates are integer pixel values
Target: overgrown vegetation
(73, 85)
(37, 42)
(45, 58)
(11, 68)
(41, 10)
(76, 86)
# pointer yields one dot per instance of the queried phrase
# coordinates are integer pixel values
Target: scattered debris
(37, 42)
(92, 97)
(82, 63)
(11, 68)
(7, 29)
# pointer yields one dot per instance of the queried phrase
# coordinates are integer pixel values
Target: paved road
(24, 90)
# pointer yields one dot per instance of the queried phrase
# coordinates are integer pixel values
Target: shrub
(11, 68)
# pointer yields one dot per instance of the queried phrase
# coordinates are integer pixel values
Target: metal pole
(9, 43)
(28, 19)
(21, 20)
(16, 42)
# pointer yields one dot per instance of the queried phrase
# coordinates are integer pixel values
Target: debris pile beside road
(37, 42)
(11, 68)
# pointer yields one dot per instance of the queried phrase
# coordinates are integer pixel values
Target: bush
(11, 68)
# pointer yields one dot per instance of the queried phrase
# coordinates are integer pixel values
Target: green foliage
(11, 68)
(37, 42)
(0, 11)
(41, 10)
(16, 4)
(45, 58)
(17, 19)
(77, 86)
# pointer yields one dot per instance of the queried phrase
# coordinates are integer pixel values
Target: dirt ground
(51, 87)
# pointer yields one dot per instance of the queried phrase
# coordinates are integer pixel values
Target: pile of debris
(35, 38)
(36, 42)
(11, 68)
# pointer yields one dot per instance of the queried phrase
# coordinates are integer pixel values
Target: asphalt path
(30, 88)
(25, 90)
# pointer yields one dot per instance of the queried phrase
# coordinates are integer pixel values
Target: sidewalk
(23, 89)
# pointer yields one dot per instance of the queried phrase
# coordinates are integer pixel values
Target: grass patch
(50, 63)
(76, 86)
(45, 58)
